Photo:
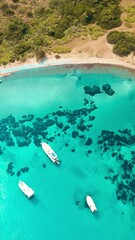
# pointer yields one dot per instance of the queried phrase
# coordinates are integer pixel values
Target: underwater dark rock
(60, 113)
(4, 136)
(124, 196)
(107, 89)
(3, 129)
(114, 154)
(1, 152)
(26, 169)
(89, 151)
(46, 117)
(100, 141)
(18, 173)
(22, 170)
(51, 139)
(111, 170)
(107, 178)
(81, 127)
(91, 118)
(82, 136)
(66, 128)
(15, 125)
(107, 135)
(132, 185)
(77, 202)
(86, 101)
(115, 178)
(88, 142)
(92, 90)
(59, 125)
(73, 150)
(37, 142)
(44, 165)
(89, 126)
(39, 119)
(10, 142)
(125, 131)
(74, 134)
(10, 168)
(12, 173)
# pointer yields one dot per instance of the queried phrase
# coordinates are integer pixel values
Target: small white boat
(26, 189)
(50, 153)
(91, 204)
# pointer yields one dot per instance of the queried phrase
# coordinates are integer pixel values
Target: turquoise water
(94, 137)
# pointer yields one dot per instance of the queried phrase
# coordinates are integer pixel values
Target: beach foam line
(52, 61)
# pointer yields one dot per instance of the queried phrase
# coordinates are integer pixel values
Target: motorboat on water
(91, 204)
(50, 153)
(26, 189)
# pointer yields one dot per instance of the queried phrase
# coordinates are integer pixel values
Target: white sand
(81, 58)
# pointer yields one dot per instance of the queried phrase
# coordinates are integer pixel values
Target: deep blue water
(92, 129)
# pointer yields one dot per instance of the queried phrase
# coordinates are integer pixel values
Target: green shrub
(121, 48)
(17, 30)
(130, 10)
(128, 25)
(61, 49)
(38, 41)
(115, 36)
(21, 48)
(95, 31)
(9, 12)
(109, 17)
(124, 42)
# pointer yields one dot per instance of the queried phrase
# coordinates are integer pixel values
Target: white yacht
(91, 204)
(26, 189)
(50, 153)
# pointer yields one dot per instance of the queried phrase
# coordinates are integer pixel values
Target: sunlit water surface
(94, 137)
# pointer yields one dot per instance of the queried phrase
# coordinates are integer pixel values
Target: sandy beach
(83, 52)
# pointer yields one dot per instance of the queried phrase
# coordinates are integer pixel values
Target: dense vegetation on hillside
(124, 43)
(28, 27)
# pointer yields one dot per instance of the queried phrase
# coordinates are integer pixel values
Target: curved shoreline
(64, 60)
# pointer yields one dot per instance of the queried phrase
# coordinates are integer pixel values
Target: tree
(17, 29)
(109, 17)
(40, 55)
(115, 36)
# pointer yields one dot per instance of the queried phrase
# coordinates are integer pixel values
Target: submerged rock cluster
(30, 129)
(123, 176)
(96, 90)
(75, 124)
(10, 170)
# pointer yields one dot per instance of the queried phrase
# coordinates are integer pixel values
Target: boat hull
(50, 153)
(26, 189)
(91, 204)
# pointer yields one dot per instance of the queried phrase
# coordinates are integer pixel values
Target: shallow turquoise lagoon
(91, 126)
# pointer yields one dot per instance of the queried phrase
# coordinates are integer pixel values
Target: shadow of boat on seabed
(34, 200)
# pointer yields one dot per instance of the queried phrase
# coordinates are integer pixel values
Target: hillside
(36, 27)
